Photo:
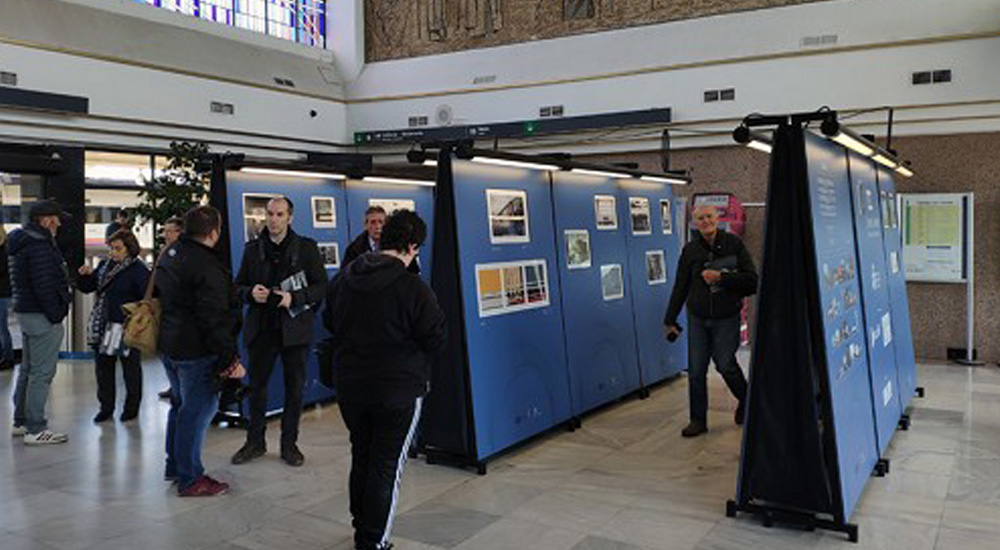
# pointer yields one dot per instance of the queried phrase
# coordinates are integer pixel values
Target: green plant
(183, 185)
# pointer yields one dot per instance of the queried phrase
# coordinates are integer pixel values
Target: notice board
(934, 237)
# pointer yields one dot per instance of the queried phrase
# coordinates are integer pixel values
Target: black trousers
(263, 355)
(381, 434)
(104, 369)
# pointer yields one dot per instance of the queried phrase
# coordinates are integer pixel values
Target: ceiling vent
(283, 82)
(724, 94)
(444, 115)
(486, 79)
(820, 41)
(8, 78)
(418, 121)
(941, 76)
(222, 108)
(551, 111)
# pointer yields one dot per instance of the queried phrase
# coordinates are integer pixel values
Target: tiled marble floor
(625, 481)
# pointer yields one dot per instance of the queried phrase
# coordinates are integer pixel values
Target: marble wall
(943, 164)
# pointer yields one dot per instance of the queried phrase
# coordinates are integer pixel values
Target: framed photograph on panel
(612, 282)
(392, 205)
(577, 249)
(606, 212)
(508, 287)
(656, 267)
(254, 214)
(508, 216)
(324, 212)
(666, 217)
(638, 208)
(330, 252)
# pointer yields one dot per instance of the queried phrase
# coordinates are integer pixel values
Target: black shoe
(128, 416)
(6, 365)
(165, 394)
(103, 416)
(248, 452)
(740, 413)
(694, 429)
(292, 455)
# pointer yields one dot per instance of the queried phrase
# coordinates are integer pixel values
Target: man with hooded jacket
(384, 323)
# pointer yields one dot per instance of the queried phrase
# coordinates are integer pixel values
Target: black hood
(373, 272)
(20, 238)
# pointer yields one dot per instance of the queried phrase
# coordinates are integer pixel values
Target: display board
(906, 368)
(600, 332)
(658, 359)
(844, 341)
(324, 221)
(362, 194)
(875, 299)
(518, 380)
(934, 238)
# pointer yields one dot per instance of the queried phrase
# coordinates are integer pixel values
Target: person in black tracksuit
(281, 321)
(715, 272)
(384, 322)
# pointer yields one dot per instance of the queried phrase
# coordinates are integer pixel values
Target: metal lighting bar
(397, 181)
(293, 173)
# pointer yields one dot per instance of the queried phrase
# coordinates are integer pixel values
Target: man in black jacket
(283, 280)
(40, 284)
(199, 323)
(370, 239)
(384, 322)
(714, 274)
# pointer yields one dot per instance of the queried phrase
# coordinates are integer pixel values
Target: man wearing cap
(41, 293)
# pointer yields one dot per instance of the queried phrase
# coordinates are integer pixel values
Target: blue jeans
(717, 340)
(6, 344)
(38, 368)
(194, 401)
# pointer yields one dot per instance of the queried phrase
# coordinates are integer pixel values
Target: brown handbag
(142, 321)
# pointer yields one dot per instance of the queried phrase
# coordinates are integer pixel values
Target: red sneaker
(204, 486)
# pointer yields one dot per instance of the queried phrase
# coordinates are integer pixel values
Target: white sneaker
(17, 431)
(45, 437)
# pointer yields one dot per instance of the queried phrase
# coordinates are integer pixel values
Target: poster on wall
(392, 205)
(324, 213)
(508, 287)
(330, 252)
(508, 216)
(638, 208)
(656, 267)
(577, 249)
(254, 214)
(934, 239)
(612, 282)
(606, 212)
(666, 217)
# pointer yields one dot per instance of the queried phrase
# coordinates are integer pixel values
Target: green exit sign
(530, 128)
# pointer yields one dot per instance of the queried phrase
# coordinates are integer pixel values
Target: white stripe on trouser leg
(399, 470)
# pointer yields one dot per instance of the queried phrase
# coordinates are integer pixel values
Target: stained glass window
(302, 21)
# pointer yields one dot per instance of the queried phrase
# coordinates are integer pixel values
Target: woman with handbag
(120, 279)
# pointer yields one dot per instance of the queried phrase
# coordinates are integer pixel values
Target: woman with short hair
(118, 280)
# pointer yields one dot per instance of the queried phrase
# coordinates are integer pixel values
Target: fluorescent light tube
(884, 161)
(600, 173)
(293, 173)
(663, 179)
(853, 144)
(398, 181)
(759, 145)
(431, 162)
(515, 163)
(904, 171)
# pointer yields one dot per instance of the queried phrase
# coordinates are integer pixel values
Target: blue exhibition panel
(246, 195)
(658, 359)
(600, 329)
(875, 302)
(906, 367)
(518, 380)
(362, 194)
(843, 329)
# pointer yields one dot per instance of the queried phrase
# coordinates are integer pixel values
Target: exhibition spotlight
(397, 181)
(844, 136)
(753, 140)
(293, 173)
(414, 156)
(514, 163)
(600, 173)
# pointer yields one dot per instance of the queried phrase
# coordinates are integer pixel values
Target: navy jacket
(128, 286)
(38, 275)
(739, 278)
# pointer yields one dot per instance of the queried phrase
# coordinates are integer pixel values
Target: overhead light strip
(515, 163)
(293, 173)
(398, 181)
(600, 173)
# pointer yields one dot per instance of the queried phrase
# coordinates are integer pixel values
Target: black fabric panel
(783, 458)
(446, 425)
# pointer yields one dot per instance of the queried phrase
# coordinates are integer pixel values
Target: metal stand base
(970, 362)
(769, 515)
